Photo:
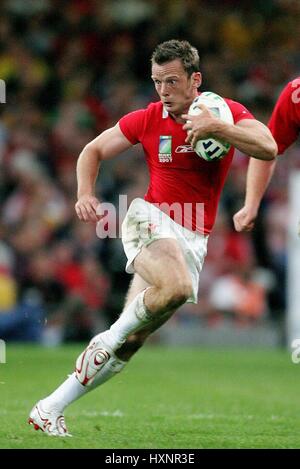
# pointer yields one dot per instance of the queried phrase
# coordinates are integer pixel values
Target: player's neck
(177, 118)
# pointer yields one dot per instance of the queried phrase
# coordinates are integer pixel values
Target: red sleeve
(133, 125)
(239, 112)
(283, 122)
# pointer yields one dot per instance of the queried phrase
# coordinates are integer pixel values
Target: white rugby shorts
(145, 223)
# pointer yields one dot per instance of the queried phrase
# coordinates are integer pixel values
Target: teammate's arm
(108, 144)
(259, 175)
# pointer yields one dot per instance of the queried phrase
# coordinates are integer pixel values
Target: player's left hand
(199, 127)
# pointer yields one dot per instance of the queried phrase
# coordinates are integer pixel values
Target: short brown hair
(175, 49)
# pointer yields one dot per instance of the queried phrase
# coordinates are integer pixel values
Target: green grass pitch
(165, 398)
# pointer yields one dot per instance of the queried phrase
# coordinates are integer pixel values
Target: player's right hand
(244, 219)
(86, 208)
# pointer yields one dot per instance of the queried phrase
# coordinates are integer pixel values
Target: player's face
(174, 87)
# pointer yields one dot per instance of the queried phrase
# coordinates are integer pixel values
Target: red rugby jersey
(285, 119)
(177, 173)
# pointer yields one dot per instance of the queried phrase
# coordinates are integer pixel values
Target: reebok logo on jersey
(184, 149)
(165, 149)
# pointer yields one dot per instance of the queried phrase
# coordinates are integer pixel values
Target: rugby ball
(211, 149)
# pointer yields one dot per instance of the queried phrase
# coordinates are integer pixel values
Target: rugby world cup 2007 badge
(165, 149)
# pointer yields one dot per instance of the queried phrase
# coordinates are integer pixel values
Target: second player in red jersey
(284, 125)
(285, 120)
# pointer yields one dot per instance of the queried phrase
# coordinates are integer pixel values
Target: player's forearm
(87, 170)
(255, 141)
(258, 177)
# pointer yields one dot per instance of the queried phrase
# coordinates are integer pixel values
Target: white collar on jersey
(165, 113)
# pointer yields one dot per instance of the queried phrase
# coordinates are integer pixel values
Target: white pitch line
(204, 416)
(103, 413)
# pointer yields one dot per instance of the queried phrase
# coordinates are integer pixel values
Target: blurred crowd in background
(72, 69)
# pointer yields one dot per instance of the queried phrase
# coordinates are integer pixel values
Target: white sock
(71, 390)
(131, 319)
